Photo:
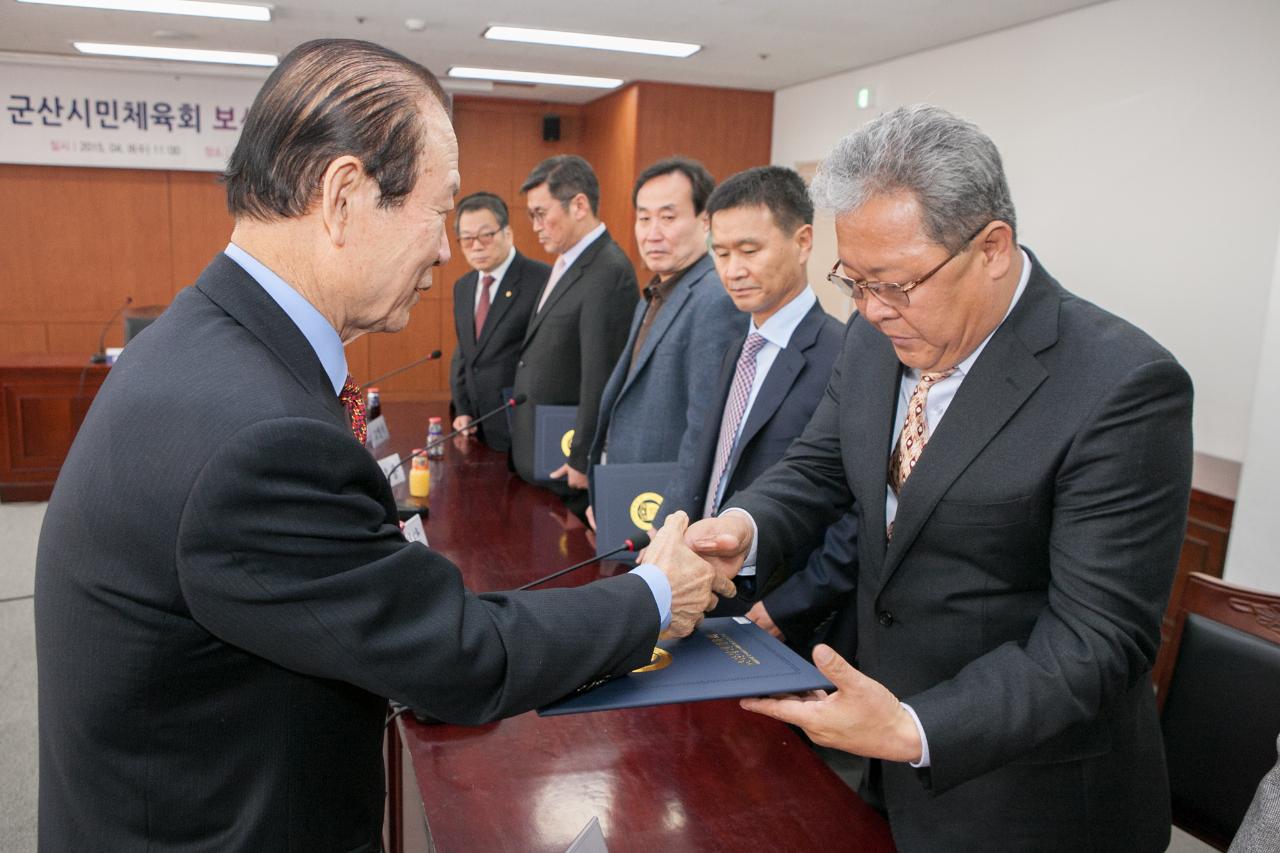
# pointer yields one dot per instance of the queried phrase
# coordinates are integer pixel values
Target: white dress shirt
(566, 260)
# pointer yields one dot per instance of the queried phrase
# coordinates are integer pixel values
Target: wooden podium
(43, 401)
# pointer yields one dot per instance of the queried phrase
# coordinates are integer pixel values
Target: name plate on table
(414, 531)
(725, 658)
(392, 468)
(553, 428)
(376, 432)
(626, 500)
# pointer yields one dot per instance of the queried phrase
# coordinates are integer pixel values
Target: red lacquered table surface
(706, 776)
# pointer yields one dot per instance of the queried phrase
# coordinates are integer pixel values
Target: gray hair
(950, 166)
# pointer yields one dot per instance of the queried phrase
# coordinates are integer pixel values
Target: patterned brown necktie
(482, 308)
(914, 436)
(352, 399)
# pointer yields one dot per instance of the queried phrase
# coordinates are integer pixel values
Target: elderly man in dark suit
(660, 389)
(768, 384)
(1020, 463)
(579, 325)
(491, 308)
(224, 598)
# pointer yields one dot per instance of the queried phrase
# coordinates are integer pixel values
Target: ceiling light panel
(197, 8)
(178, 54)
(503, 76)
(560, 38)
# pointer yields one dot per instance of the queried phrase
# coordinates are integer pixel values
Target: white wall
(1142, 143)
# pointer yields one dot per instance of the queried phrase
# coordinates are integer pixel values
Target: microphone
(430, 357)
(638, 543)
(510, 404)
(100, 357)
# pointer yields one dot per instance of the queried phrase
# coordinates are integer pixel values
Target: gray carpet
(19, 529)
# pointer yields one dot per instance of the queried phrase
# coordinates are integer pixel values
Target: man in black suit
(223, 593)
(580, 321)
(491, 308)
(768, 384)
(1020, 463)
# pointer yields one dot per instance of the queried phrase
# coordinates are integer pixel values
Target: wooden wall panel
(201, 224)
(89, 237)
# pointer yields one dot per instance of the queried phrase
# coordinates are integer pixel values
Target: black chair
(1218, 689)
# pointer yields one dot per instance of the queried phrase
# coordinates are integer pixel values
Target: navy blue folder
(626, 499)
(725, 658)
(552, 432)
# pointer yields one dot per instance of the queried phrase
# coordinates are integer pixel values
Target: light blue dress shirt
(333, 358)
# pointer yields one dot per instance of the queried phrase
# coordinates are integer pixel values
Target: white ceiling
(749, 44)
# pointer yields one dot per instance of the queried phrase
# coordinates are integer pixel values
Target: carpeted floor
(19, 530)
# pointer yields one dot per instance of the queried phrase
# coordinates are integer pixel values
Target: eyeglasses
(484, 238)
(889, 293)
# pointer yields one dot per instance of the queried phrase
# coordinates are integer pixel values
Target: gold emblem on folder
(644, 509)
(565, 441)
(661, 660)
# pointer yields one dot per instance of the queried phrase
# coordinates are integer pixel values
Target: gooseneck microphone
(510, 404)
(100, 357)
(432, 356)
(637, 543)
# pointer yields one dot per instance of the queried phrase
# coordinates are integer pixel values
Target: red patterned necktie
(352, 399)
(482, 307)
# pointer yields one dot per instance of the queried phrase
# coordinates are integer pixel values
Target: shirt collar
(500, 270)
(314, 327)
(581, 246)
(664, 288)
(779, 328)
(966, 365)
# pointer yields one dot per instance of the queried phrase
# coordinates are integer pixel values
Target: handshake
(700, 563)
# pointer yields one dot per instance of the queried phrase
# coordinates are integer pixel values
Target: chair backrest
(1218, 688)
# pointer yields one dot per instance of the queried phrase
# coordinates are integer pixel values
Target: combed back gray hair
(951, 167)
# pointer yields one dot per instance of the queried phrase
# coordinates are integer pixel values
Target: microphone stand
(432, 356)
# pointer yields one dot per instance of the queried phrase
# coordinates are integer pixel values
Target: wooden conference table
(706, 776)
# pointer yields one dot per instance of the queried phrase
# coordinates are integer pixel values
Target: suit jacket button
(886, 618)
(521, 364)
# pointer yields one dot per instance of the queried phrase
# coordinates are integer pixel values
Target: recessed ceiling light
(179, 54)
(234, 11)
(590, 40)
(533, 77)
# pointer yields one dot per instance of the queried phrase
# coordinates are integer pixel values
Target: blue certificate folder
(553, 428)
(627, 499)
(727, 657)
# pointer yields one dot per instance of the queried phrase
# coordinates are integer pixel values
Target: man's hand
(861, 717)
(694, 584)
(723, 541)
(759, 615)
(463, 422)
(591, 518)
(577, 479)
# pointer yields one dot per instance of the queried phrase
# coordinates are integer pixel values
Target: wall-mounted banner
(56, 116)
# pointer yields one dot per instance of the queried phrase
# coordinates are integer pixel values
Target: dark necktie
(352, 399)
(654, 294)
(482, 308)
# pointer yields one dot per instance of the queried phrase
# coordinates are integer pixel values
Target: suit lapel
(871, 408)
(667, 316)
(565, 284)
(466, 308)
(501, 301)
(1000, 381)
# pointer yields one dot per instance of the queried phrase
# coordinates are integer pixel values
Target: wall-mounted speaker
(551, 128)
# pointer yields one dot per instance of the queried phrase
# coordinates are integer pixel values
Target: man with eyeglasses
(491, 308)
(1020, 463)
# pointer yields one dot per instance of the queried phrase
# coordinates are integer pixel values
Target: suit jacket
(224, 601)
(651, 413)
(482, 368)
(571, 346)
(1261, 825)
(1017, 607)
(821, 567)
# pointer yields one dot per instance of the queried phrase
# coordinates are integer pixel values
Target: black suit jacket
(482, 368)
(224, 599)
(571, 346)
(821, 568)
(1017, 607)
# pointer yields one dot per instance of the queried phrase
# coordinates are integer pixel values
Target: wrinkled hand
(576, 479)
(759, 615)
(694, 584)
(463, 422)
(861, 717)
(723, 542)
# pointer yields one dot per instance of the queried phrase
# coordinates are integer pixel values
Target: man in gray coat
(661, 386)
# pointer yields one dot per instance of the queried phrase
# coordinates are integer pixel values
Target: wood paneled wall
(81, 240)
